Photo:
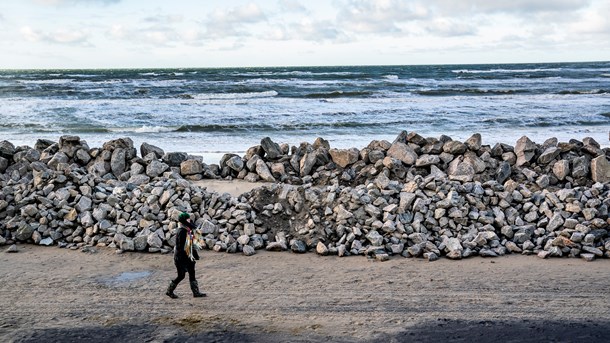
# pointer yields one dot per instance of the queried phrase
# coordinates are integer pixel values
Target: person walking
(185, 255)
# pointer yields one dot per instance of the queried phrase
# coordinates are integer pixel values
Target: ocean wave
(468, 91)
(391, 77)
(232, 96)
(338, 94)
(578, 92)
(50, 81)
(283, 127)
(491, 71)
(144, 129)
(605, 75)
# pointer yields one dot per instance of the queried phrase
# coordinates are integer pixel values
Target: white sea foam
(143, 129)
(489, 71)
(49, 82)
(234, 96)
(391, 77)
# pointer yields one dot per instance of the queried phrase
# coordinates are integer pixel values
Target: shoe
(195, 289)
(170, 290)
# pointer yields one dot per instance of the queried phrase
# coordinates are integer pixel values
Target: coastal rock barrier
(413, 197)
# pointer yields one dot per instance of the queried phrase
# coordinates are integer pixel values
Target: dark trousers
(182, 268)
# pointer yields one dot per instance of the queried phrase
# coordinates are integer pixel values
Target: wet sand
(49, 294)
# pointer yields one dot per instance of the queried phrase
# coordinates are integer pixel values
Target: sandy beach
(60, 295)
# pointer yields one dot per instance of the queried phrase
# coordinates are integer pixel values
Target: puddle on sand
(125, 277)
(130, 276)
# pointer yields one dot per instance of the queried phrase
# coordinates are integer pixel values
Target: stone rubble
(414, 197)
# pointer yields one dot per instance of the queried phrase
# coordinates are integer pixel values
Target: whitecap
(233, 96)
(391, 77)
(143, 129)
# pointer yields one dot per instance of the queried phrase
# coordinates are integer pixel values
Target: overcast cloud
(115, 33)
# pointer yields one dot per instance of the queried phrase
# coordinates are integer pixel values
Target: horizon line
(307, 66)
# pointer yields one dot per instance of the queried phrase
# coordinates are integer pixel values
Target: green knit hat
(183, 217)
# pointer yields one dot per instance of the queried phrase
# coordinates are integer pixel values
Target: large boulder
(7, 150)
(402, 152)
(173, 159)
(117, 162)
(156, 168)
(344, 157)
(191, 167)
(600, 169)
(272, 149)
(146, 149)
(525, 150)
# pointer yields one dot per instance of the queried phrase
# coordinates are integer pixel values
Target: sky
(233, 33)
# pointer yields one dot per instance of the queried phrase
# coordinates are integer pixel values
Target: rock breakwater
(414, 197)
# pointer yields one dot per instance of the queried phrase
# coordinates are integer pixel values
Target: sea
(211, 112)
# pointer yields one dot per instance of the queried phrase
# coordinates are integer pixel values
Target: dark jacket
(180, 255)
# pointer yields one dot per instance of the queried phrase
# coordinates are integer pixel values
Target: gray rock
(549, 155)
(139, 179)
(276, 246)
(127, 244)
(403, 153)
(525, 150)
(272, 149)
(587, 257)
(243, 239)
(298, 246)
(7, 150)
(24, 232)
(600, 169)
(321, 249)
(460, 170)
(512, 247)
(248, 250)
(263, 171)
(454, 148)
(156, 168)
(172, 159)
(453, 245)
(191, 167)
(474, 142)
(153, 240)
(146, 149)
(12, 249)
(140, 243)
(46, 241)
(591, 250)
(375, 238)
(236, 163)
(487, 253)
(430, 256)
(555, 222)
(580, 167)
(561, 169)
(344, 157)
(58, 159)
(84, 204)
(427, 160)
(117, 162)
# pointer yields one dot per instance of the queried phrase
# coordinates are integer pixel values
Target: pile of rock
(413, 197)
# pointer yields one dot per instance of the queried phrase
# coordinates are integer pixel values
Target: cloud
(292, 6)
(307, 30)
(153, 35)
(384, 16)
(60, 36)
(165, 19)
(231, 22)
(75, 2)
(509, 6)
(450, 28)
